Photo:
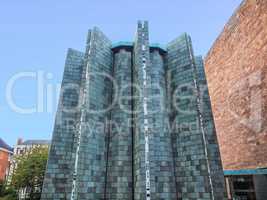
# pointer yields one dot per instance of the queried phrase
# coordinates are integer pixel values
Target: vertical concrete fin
(59, 173)
(141, 79)
(94, 131)
(190, 143)
(213, 153)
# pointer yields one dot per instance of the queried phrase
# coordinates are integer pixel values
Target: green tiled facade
(60, 167)
(92, 157)
(141, 60)
(209, 129)
(134, 122)
(120, 170)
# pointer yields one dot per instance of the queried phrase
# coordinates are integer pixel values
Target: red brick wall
(4, 164)
(236, 69)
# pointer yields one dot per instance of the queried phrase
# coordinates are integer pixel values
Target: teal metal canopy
(245, 172)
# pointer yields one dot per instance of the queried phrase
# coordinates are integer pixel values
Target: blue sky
(34, 36)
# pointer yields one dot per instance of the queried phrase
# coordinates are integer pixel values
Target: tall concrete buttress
(132, 123)
(153, 161)
(94, 131)
(59, 172)
(194, 149)
(143, 182)
(216, 171)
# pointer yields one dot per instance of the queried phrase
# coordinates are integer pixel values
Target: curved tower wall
(162, 169)
(119, 171)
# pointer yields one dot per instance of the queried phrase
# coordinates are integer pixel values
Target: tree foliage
(30, 170)
(7, 193)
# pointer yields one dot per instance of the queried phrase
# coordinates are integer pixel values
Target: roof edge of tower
(183, 35)
(72, 50)
(129, 46)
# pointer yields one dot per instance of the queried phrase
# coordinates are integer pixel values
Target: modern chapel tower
(134, 122)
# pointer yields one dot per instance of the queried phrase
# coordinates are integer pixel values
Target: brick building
(5, 155)
(236, 69)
